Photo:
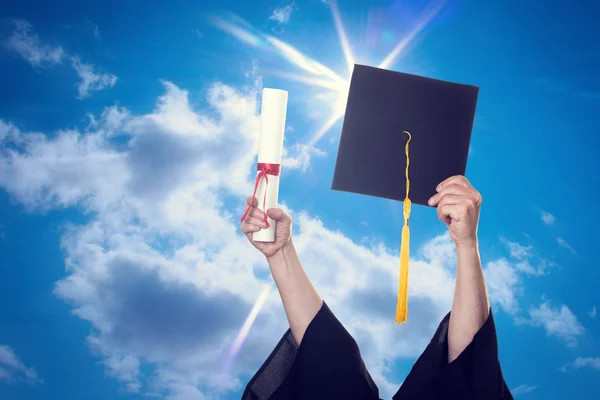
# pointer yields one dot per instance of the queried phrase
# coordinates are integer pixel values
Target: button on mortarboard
(391, 118)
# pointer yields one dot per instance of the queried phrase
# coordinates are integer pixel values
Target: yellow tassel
(402, 306)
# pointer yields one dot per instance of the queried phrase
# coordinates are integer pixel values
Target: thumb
(277, 214)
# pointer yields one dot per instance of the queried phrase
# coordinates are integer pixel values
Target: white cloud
(61, 171)
(8, 131)
(592, 312)
(557, 321)
(90, 79)
(282, 15)
(95, 28)
(503, 279)
(548, 218)
(503, 283)
(87, 26)
(299, 156)
(522, 389)
(563, 243)
(27, 44)
(523, 257)
(517, 250)
(583, 362)
(12, 369)
(111, 121)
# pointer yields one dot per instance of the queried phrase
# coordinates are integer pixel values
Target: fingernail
(430, 201)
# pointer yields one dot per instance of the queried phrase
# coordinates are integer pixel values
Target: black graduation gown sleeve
(326, 365)
(475, 374)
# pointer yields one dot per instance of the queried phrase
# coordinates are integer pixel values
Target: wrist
(281, 254)
(467, 245)
(467, 255)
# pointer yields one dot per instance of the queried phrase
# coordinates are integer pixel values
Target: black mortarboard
(392, 118)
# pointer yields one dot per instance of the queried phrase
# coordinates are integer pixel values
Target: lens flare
(390, 58)
(243, 333)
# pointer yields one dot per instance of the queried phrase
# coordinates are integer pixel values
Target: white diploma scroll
(270, 147)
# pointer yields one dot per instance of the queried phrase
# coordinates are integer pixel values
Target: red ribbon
(265, 170)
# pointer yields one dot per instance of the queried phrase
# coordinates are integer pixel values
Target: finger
(251, 201)
(277, 214)
(249, 228)
(447, 212)
(476, 196)
(254, 212)
(260, 222)
(450, 199)
(452, 189)
(257, 213)
(456, 179)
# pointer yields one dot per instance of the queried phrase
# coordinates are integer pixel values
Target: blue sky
(123, 272)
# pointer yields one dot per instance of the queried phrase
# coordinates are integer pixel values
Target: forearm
(300, 299)
(470, 308)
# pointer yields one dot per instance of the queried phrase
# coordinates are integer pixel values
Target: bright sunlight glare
(318, 75)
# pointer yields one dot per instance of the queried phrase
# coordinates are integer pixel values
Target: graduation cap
(403, 135)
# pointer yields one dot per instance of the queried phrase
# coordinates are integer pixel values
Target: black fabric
(328, 365)
(273, 372)
(475, 374)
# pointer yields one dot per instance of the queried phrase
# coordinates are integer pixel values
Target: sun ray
(284, 49)
(337, 19)
(390, 58)
(302, 61)
(243, 333)
(327, 84)
(323, 130)
(240, 34)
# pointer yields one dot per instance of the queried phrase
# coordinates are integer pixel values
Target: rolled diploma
(270, 147)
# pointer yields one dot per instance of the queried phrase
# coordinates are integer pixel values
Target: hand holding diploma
(255, 221)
